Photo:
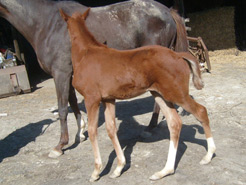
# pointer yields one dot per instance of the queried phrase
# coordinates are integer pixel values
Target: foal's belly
(123, 92)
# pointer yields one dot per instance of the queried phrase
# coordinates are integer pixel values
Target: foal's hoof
(79, 139)
(114, 175)
(55, 153)
(145, 134)
(161, 174)
(155, 177)
(205, 161)
(208, 157)
(94, 178)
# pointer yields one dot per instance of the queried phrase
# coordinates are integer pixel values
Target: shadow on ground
(129, 132)
(11, 145)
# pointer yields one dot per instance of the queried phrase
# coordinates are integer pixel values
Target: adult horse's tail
(181, 42)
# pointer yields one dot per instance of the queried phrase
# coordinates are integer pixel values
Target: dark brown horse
(102, 74)
(125, 25)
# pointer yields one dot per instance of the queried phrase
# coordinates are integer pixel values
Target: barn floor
(30, 128)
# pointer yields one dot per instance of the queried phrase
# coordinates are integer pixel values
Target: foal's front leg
(92, 107)
(112, 133)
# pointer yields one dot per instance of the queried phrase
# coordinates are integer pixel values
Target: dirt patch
(30, 128)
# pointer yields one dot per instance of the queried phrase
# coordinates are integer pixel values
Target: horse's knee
(174, 125)
(92, 132)
(63, 112)
(202, 114)
(201, 110)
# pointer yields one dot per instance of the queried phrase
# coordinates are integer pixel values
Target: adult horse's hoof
(55, 153)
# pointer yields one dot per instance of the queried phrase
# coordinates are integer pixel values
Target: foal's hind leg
(80, 121)
(200, 113)
(174, 125)
(112, 133)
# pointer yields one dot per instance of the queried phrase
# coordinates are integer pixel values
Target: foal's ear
(3, 10)
(63, 15)
(86, 13)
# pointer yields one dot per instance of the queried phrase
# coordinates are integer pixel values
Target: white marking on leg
(120, 165)
(211, 150)
(171, 157)
(81, 128)
(98, 163)
(118, 170)
(169, 167)
(211, 145)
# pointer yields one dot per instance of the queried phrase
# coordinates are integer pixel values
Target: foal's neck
(81, 37)
(81, 40)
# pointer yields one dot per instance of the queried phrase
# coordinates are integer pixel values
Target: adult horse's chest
(53, 48)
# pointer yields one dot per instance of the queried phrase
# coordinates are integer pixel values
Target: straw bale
(215, 26)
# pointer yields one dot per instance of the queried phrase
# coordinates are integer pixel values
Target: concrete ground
(30, 129)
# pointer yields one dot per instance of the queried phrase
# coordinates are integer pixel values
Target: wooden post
(16, 45)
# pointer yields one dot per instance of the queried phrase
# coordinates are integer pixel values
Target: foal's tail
(195, 69)
(181, 41)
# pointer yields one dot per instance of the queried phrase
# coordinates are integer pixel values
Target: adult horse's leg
(112, 133)
(153, 122)
(154, 118)
(174, 125)
(80, 121)
(62, 83)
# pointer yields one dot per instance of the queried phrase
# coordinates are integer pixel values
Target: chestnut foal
(102, 74)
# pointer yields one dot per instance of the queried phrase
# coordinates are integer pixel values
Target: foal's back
(125, 74)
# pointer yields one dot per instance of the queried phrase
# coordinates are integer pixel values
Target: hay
(215, 26)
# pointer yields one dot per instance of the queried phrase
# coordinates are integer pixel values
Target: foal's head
(76, 22)
(78, 30)
(76, 17)
(3, 10)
